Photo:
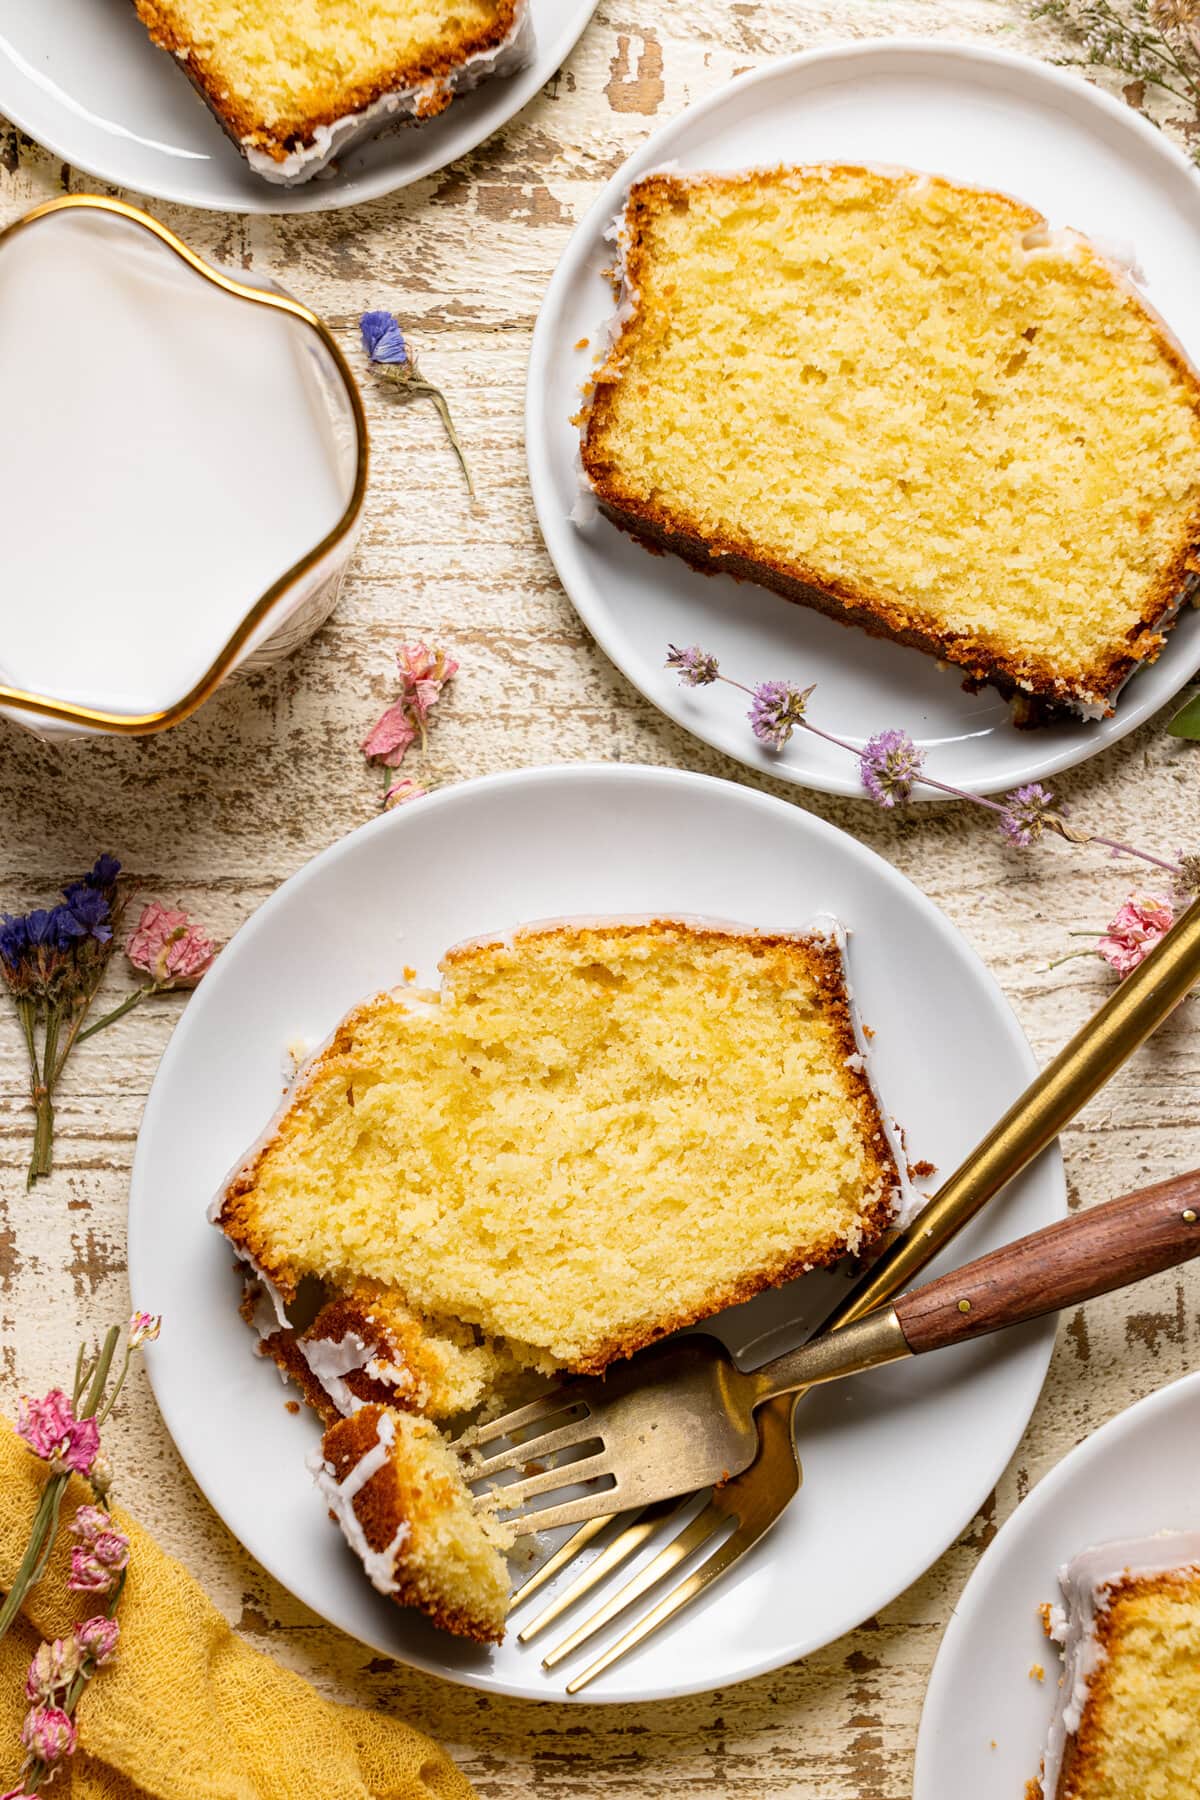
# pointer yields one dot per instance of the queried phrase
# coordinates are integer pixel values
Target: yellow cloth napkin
(187, 1711)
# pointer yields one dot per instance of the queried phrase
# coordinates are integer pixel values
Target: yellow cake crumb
(906, 402)
(594, 1136)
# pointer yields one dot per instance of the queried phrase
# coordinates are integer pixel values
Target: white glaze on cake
(1088, 1583)
(380, 1565)
(402, 105)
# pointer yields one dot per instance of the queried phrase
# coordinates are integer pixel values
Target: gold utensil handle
(1064, 1087)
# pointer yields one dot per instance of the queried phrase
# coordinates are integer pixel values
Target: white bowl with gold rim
(188, 458)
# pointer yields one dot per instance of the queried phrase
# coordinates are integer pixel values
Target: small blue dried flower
(1024, 817)
(888, 766)
(90, 909)
(14, 940)
(776, 709)
(694, 666)
(382, 337)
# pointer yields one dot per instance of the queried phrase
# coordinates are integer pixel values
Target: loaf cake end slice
(296, 85)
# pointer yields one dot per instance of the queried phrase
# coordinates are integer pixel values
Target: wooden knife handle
(1091, 1253)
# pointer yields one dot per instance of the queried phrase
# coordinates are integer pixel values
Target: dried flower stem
(1052, 820)
(131, 1000)
(41, 1537)
(410, 384)
(93, 1376)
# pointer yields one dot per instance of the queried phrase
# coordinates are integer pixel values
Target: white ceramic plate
(83, 78)
(980, 116)
(1134, 1477)
(895, 1464)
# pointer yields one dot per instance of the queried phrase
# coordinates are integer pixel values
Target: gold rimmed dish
(214, 444)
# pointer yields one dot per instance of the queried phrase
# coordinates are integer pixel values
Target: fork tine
(672, 1603)
(603, 1503)
(577, 1542)
(532, 1450)
(754, 1501)
(611, 1557)
(513, 1497)
(668, 1558)
(544, 1407)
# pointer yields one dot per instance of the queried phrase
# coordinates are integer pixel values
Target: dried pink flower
(54, 1666)
(391, 737)
(143, 1328)
(96, 1563)
(48, 1734)
(169, 947)
(97, 1638)
(17, 1793)
(424, 672)
(1134, 930)
(52, 1431)
(89, 1522)
(402, 791)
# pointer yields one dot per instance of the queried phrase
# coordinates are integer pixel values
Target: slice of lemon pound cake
(296, 82)
(909, 404)
(396, 1488)
(592, 1135)
(1127, 1721)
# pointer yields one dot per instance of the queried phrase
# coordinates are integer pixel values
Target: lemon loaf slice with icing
(297, 82)
(1127, 1723)
(592, 1135)
(911, 405)
(396, 1488)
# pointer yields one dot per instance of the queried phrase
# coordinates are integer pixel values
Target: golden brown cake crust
(382, 1506)
(291, 134)
(984, 661)
(1081, 1755)
(823, 964)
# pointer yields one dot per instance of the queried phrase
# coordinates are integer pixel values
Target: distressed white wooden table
(216, 813)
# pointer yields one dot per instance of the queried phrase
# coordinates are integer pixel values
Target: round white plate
(83, 78)
(895, 1463)
(981, 116)
(1134, 1477)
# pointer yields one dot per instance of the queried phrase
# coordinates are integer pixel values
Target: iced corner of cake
(1127, 1715)
(295, 89)
(397, 1490)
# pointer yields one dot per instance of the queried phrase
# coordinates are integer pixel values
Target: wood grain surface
(216, 813)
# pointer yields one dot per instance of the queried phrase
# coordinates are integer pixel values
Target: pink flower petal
(401, 792)
(390, 737)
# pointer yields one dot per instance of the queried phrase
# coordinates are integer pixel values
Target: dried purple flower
(777, 707)
(888, 766)
(1024, 817)
(90, 909)
(382, 337)
(14, 941)
(694, 666)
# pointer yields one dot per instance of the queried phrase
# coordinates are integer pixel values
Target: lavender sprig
(890, 765)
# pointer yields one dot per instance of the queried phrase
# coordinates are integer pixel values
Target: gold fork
(754, 1500)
